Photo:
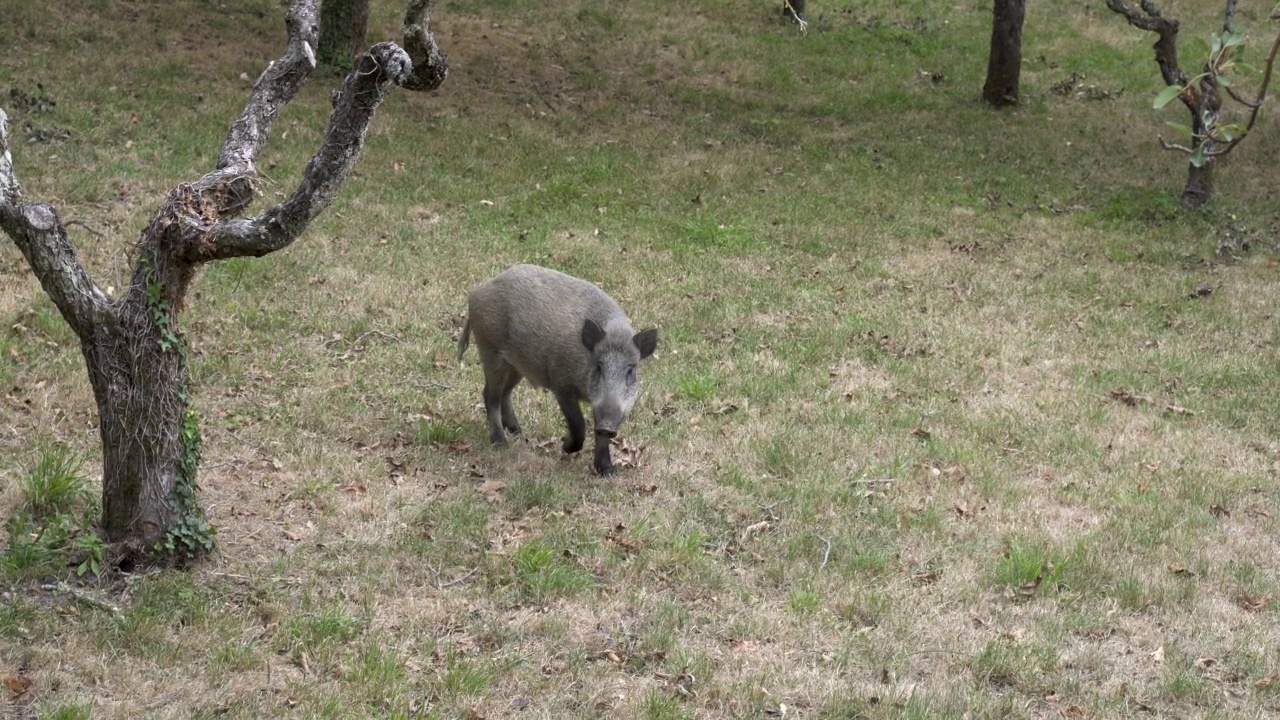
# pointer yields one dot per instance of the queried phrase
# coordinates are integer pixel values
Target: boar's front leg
(572, 409)
(602, 462)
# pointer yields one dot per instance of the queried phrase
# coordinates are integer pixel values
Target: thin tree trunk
(1004, 66)
(343, 26)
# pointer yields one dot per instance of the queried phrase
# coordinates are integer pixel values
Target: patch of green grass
(434, 431)
(542, 571)
(699, 387)
(1027, 568)
(327, 626)
(463, 676)
(56, 483)
(75, 710)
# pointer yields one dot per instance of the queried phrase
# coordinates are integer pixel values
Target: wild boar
(563, 334)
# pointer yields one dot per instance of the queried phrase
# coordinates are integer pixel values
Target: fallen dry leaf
(626, 454)
(1016, 634)
(1158, 655)
(754, 528)
(492, 488)
(1268, 681)
(17, 684)
(1219, 511)
(1252, 603)
(1125, 397)
(616, 536)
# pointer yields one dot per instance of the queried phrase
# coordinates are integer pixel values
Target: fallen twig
(455, 581)
(84, 597)
(826, 554)
(388, 336)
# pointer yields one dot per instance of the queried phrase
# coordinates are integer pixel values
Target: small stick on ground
(389, 336)
(826, 554)
(84, 597)
(455, 581)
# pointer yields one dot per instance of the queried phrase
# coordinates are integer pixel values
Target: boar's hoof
(572, 444)
(603, 462)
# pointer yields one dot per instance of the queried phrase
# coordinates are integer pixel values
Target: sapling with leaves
(1209, 135)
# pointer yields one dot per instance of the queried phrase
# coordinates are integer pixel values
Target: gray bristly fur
(565, 335)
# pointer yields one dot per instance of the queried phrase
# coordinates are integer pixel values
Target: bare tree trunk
(133, 347)
(343, 25)
(1004, 66)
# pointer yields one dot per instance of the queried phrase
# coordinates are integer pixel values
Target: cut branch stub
(429, 66)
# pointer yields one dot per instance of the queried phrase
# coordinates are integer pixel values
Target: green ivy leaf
(1167, 95)
(1184, 129)
(1223, 80)
(1198, 157)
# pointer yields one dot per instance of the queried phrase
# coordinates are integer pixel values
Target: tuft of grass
(435, 431)
(541, 571)
(56, 483)
(67, 711)
(1027, 568)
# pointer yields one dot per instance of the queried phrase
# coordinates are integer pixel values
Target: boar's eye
(631, 374)
(599, 368)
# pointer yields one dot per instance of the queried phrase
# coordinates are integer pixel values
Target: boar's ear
(646, 341)
(591, 334)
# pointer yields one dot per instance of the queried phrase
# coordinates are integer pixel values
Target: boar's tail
(465, 339)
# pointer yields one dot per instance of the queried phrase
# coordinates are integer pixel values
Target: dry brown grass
(902, 373)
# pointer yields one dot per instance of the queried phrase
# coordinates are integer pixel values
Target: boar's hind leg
(573, 418)
(509, 420)
(499, 379)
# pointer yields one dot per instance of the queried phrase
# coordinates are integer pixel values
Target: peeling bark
(133, 347)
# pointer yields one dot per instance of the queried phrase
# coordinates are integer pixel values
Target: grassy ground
(955, 412)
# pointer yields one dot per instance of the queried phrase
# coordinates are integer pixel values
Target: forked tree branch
(422, 67)
(200, 214)
(42, 239)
